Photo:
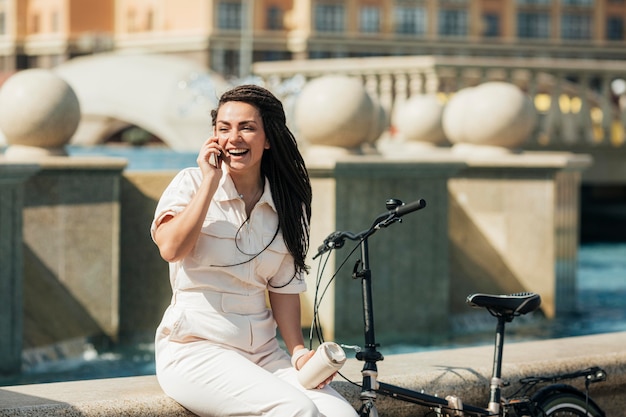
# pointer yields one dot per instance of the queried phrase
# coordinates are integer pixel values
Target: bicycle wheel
(564, 404)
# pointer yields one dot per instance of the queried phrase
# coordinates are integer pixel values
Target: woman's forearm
(286, 310)
(176, 235)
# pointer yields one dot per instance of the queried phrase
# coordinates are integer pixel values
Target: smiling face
(239, 129)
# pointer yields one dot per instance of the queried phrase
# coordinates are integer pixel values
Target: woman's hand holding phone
(209, 159)
(215, 160)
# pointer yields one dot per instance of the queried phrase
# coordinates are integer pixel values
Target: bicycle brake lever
(388, 221)
(334, 241)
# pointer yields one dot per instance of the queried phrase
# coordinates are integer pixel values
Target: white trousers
(212, 380)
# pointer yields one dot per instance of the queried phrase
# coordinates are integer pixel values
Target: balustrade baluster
(586, 123)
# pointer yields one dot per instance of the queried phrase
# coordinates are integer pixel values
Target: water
(601, 302)
(601, 307)
(146, 158)
(79, 360)
(601, 290)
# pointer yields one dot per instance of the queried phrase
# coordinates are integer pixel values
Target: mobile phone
(214, 160)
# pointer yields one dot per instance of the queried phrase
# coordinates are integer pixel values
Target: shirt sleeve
(175, 198)
(286, 281)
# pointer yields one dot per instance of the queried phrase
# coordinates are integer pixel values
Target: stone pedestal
(514, 221)
(71, 249)
(409, 261)
(145, 290)
(12, 178)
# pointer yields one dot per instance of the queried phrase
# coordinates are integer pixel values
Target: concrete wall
(71, 244)
(409, 261)
(514, 226)
(12, 178)
(91, 268)
(144, 277)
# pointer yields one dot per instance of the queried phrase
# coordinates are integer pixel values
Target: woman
(233, 229)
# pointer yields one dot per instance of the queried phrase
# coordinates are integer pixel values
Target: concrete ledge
(132, 396)
(464, 372)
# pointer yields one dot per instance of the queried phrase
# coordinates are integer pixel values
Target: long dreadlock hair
(283, 166)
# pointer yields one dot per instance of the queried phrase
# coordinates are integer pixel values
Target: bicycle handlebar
(410, 207)
(337, 239)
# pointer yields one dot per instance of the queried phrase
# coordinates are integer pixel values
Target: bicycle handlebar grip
(410, 207)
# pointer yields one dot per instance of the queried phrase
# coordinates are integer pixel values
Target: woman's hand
(176, 235)
(304, 359)
(328, 381)
(286, 309)
(210, 158)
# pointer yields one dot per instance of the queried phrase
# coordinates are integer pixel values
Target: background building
(44, 33)
(568, 54)
(228, 35)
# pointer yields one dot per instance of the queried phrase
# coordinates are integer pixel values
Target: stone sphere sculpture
(39, 113)
(493, 114)
(418, 120)
(334, 111)
(380, 122)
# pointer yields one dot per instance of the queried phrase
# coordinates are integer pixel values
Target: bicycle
(552, 400)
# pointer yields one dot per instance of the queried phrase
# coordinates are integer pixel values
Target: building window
(274, 18)
(577, 2)
(317, 54)
(330, 18)
(35, 20)
(491, 25)
(534, 2)
(150, 20)
(3, 23)
(274, 56)
(453, 22)
(231, 63)
(533, 25)
(131, 17)
(575, 26)
(369, 19)
(55, 23)
(34, 61)
(410, 20)
(229, 15)
(615, 28)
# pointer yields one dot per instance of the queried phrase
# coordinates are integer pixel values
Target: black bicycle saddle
(506, 305)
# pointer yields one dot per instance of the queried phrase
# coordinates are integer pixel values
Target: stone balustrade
(575, 100)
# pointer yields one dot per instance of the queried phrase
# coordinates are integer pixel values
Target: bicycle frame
(370, 355)
(451, 405)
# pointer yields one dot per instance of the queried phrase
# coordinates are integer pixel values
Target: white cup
(328, 359)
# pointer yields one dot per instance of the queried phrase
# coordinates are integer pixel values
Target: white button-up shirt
(232, 253)
(219, 288)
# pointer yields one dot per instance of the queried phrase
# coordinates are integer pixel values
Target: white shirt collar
(227, 191)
